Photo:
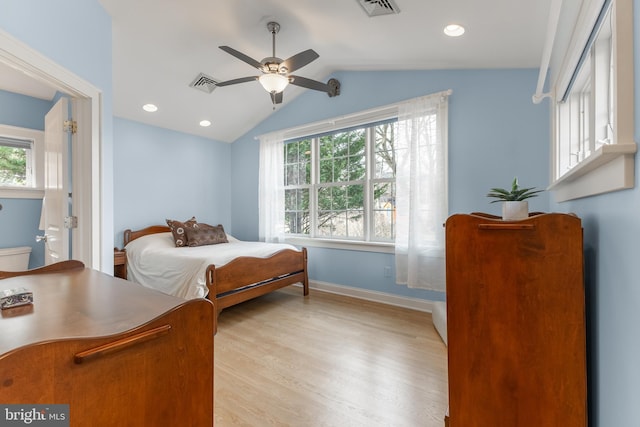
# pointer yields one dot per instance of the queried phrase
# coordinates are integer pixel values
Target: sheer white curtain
(271, 188)
(421, 192)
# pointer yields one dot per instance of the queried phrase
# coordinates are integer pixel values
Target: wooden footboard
(245, 278)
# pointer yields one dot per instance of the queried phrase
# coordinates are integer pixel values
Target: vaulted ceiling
(160, 46)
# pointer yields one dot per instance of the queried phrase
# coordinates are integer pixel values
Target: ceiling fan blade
(309, 84)
(276, 98)
(299, 60)
(241, 56)
(236, 81)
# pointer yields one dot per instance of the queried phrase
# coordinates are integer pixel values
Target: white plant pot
(512, 211)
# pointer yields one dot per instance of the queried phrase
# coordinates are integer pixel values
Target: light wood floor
(327, 360)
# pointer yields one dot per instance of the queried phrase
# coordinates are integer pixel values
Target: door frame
(87, 110)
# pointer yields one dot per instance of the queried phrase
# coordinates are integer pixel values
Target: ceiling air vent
(204, 83)
(379, 7)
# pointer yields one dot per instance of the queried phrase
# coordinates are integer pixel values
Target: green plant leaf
(515, 194)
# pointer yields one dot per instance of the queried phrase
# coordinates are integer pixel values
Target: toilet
(15, 259)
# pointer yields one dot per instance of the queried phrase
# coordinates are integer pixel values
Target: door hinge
(70, 126)
(70, 222)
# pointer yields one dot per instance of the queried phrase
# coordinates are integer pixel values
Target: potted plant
(515, 205)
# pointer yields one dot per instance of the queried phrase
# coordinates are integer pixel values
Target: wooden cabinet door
(516, 322)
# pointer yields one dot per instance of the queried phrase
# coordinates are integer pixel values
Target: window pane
(324, 198)
(326, 170)
(297, 218)
(603, 68)
(325, 223)
(385, 154)
(326, 147)
(342, 156)
(13, 166)
(355, 224)
(341, 211)
(297, 162)
(355, 211)
(384, 211)
(585, 122)
(357, 168)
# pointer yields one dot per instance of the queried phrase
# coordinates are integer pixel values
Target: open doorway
(85, 161)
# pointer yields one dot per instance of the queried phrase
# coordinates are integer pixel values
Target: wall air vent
(379, 7)
(204, 83)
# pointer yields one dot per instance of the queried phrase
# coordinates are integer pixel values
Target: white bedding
(155, 262)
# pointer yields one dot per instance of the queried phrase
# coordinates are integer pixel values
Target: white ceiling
(14, 80)
(160, 46)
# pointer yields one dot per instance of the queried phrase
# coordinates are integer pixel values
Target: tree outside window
(13, 166)
(342, 185)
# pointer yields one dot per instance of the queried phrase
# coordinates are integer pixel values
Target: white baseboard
(375, 296)
(439, 315)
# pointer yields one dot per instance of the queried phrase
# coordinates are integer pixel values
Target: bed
(226, 274)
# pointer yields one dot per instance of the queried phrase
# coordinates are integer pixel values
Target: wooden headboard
(130, 235)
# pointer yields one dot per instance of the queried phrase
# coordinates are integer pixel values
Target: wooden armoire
(516, 321)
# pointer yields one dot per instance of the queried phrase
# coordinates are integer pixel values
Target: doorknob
(42, 238)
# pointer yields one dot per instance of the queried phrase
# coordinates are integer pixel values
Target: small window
(16, 162)
(21, 162)
(593, 120)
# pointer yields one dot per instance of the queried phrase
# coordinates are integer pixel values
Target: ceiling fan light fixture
(273, 82)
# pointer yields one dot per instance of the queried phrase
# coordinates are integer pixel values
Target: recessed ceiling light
(150, 108)
(454, 30)
(205, 123)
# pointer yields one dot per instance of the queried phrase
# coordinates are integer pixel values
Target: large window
(594, 148)
(369, 181)
(341, 185)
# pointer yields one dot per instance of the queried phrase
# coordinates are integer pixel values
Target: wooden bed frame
(245, 278)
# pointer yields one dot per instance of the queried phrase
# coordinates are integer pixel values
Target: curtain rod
(377, 113)
(552, 28)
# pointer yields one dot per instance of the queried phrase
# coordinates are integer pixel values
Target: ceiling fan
(276, 72)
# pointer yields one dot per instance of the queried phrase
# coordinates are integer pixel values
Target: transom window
(341, 185)
(593, 140)
(585, 114)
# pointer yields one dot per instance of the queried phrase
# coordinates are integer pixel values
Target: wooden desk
(119, 354)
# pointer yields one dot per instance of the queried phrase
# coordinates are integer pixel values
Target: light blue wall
(23, 111)
(495, 133)
(83, 47)
(19, 218)
(611, 225)
(164, 174)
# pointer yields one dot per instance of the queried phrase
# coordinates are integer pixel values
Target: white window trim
(37, 190)
(364, 243)
(21, 193)
(354, 245)
(610, 167)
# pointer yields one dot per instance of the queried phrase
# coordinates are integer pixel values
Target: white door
(56, 184)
